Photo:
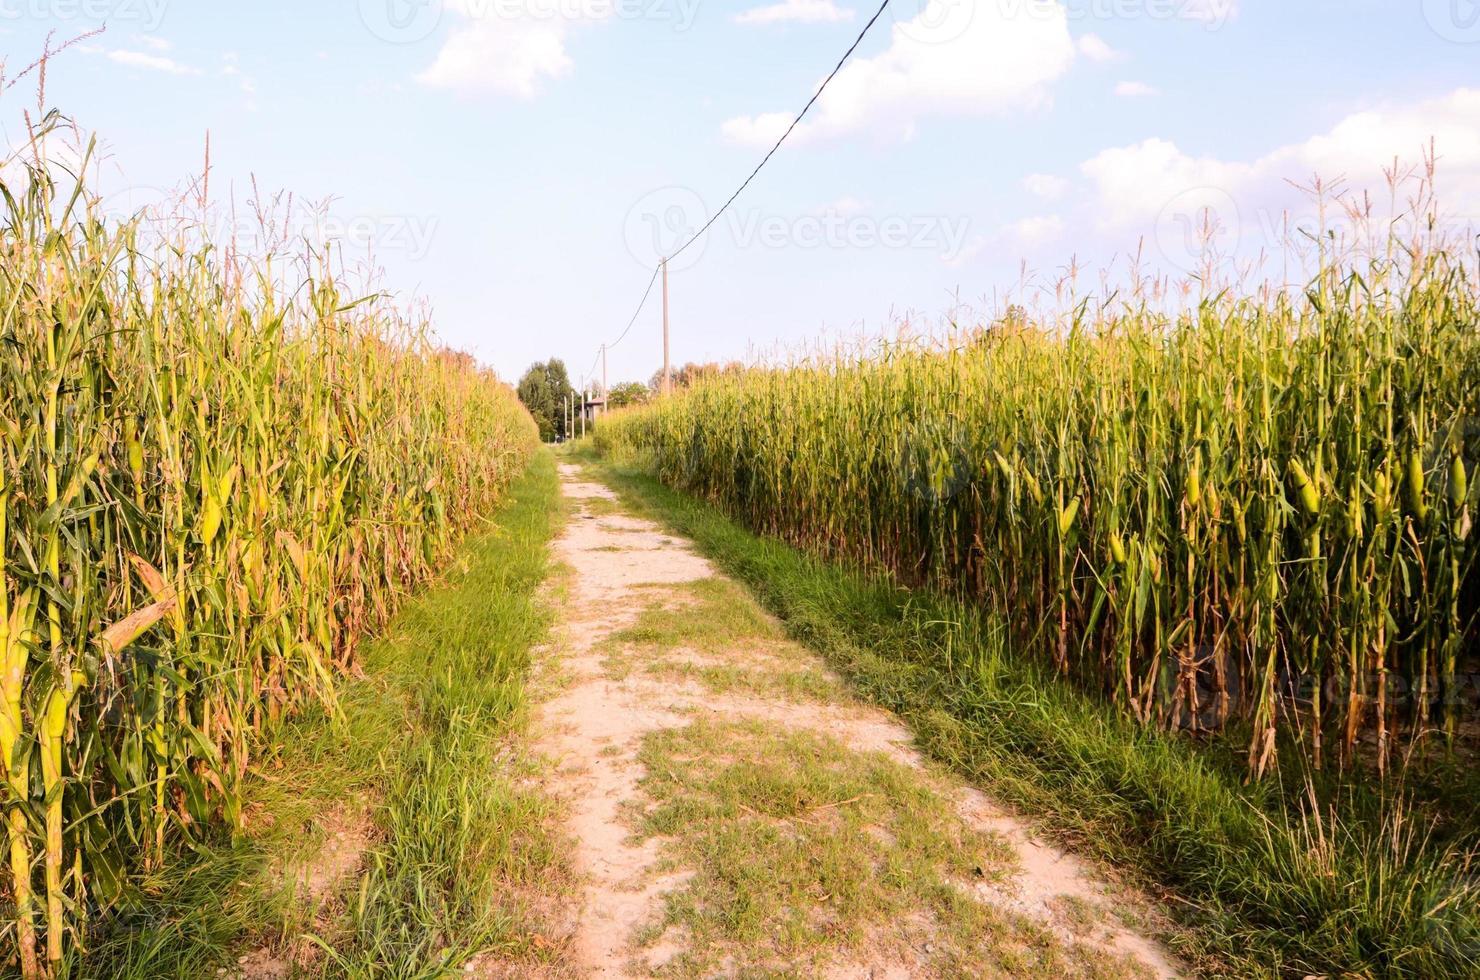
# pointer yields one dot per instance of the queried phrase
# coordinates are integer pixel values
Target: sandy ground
(592, 727)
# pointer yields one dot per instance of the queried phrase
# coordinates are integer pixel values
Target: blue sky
(520, 163)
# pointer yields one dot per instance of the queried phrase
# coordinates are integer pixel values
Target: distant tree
(628, 393)
(543, 389)
(691, 373)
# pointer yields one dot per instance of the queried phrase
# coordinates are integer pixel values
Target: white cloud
(152, 42)
(1367, 140)
(1095, 48)
(500, 58)
(1046, 186)
(1134, 183)
(1025, 234)
(1037, 230)
(1135, 90)
(150, 62)
(953, 58)
(764, 129)
(966, 254)
(509, 48)
(795, 11)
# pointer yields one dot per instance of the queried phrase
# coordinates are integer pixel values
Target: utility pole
(667, 371)
(605, 392)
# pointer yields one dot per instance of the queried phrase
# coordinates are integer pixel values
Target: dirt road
(734, 811)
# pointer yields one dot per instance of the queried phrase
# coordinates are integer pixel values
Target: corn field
(216, 476)
(1256, 511)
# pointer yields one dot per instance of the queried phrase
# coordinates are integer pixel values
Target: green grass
(786, 685)
(600, 506)
(710, 615)
(1266, 885)
(462, 859)
(713, 632)
(805, 854)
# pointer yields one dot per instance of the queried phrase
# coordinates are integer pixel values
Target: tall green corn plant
(1256, 510)
(214, 482)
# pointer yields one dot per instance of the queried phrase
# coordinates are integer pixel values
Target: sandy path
(593, 726)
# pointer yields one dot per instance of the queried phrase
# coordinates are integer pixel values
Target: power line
(746, 183)
(794, 123)
(641, 303)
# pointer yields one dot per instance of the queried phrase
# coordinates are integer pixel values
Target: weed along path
(734, 811)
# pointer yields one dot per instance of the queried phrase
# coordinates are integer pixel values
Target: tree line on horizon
(545, 390)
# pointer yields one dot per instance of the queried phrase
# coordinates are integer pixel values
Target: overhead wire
(794, 123)
(746, 182)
